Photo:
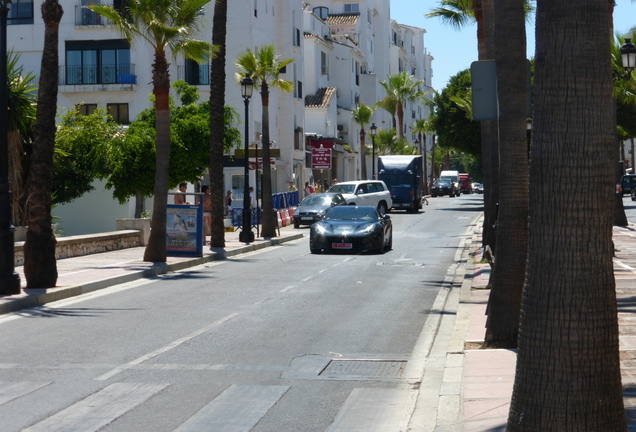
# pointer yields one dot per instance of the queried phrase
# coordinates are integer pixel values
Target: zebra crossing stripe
(98, 410)
(375, 410)
(14, 390)
(238, 409)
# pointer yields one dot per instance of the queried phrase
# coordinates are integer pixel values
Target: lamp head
(628, 55)
(247, 86)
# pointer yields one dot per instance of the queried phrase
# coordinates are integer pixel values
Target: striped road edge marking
(375, 410)
(238, 409)
(99, 409)
(14, 390)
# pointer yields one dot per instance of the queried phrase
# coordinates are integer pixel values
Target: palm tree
(362, 116)
(40, 265)
(163, 24)
(508, 273)
(402, 88)
(264, 66)
(389, 105)
(568, 365)
(388, 142)
(217, 123)
(21, 117)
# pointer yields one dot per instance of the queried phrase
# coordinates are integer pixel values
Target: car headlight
(367, 228)
(319, 228)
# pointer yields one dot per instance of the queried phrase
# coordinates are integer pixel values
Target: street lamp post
(628, 56)
(374, 130)
(9, 279)
(247, 235)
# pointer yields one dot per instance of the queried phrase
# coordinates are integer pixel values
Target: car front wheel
(389, 244)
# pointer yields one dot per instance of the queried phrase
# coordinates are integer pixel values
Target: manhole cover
(364, 369)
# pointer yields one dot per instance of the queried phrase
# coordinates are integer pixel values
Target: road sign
(321, 158)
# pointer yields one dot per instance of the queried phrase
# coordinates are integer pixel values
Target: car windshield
(342, 188)
(316, 200)
(352, 213)
(441, 182)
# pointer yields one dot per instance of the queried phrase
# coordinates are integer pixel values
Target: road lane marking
(15, 390)
(166, 348)
(99, 409)
(238, 409)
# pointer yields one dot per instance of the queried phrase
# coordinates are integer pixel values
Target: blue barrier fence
(280, 201)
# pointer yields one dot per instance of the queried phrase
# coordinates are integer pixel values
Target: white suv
(365, 193)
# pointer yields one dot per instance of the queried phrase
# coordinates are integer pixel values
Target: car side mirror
(386, 217)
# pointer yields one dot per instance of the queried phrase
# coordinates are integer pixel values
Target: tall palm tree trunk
(568, 374)
(269, 221)
(40, 266)
(363, 155)
(400, 116)
(512, 237)
(217, 124)
(484, 14)
(156, 248)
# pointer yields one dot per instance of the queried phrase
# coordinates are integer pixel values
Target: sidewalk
(88, 273)
(487, 376)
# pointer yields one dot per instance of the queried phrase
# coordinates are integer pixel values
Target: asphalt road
(274, 340)
(630, 208)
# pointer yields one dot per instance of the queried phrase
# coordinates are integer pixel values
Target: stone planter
(142, 225)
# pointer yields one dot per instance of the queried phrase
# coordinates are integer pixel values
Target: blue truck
(404, 177)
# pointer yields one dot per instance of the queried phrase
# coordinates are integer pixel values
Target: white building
(341, 50)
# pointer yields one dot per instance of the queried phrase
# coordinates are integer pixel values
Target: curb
(440, 387)
(40, 296)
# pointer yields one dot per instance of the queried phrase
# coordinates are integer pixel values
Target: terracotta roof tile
(343, 18)
(321, 98)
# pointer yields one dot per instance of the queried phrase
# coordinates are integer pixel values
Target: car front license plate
(341, 245)
(307, 218)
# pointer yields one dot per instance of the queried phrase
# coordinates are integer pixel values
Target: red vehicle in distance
(465, 185)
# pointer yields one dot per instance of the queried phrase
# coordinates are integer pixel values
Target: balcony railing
(98, 74)
(194, 75)
(86, 17)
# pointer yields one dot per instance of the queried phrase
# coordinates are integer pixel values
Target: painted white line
(14, 390)
(99, 409)
(166, 348)
(237, 409)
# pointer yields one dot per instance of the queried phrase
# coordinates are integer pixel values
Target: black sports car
(352, 228)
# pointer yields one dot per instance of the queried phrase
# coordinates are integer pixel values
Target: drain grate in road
(404, 264)
(352, 369)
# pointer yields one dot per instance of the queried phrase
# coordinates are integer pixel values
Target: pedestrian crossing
(239, 408)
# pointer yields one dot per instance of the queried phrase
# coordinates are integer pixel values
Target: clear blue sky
(454, 50)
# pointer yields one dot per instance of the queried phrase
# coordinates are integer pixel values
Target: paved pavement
(487, 376)
(463, 388)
